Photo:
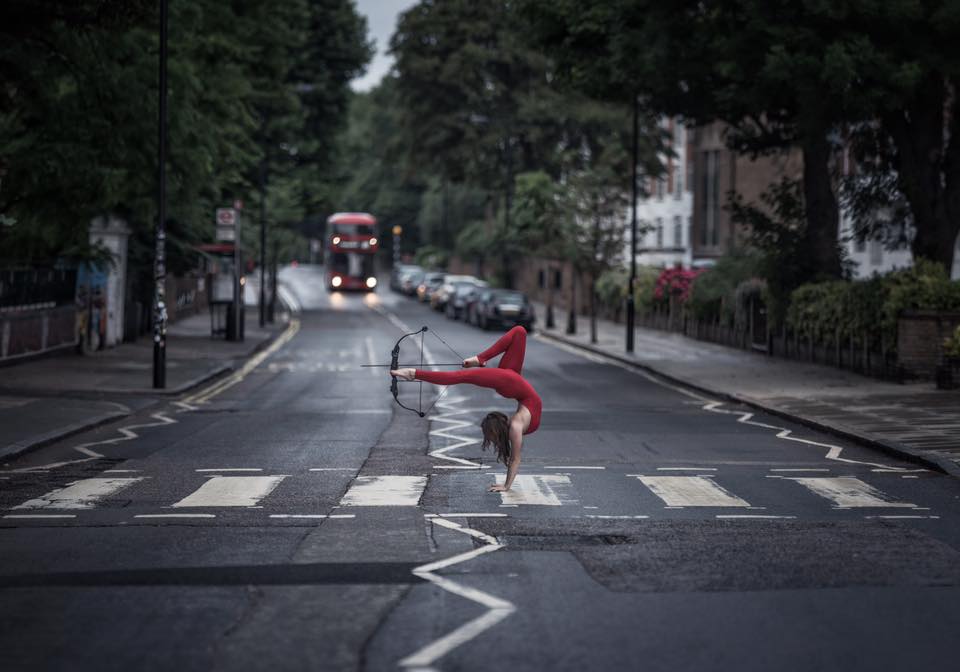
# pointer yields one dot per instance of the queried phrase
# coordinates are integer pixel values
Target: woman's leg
(513, 345)
(481, 377)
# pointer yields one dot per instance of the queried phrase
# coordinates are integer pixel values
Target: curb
(889, 447)
(16, 450)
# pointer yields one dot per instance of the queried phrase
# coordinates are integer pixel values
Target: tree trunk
(928, 170)
(820, 201)
(572, 314)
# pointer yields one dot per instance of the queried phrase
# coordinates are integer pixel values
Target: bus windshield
(353, 229)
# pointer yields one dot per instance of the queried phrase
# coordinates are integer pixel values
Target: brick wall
(920, 338)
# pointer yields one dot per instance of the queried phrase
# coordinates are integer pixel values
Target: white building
(664, 213)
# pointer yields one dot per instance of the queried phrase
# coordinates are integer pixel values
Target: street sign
(226, 225)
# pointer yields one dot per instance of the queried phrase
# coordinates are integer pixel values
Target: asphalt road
(292, 517)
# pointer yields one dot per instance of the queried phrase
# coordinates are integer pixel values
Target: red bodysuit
(505, 379)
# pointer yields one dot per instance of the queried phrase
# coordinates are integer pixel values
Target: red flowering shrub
(675, 282)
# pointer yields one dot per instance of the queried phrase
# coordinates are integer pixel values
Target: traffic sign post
(397, 230)
(228, 231)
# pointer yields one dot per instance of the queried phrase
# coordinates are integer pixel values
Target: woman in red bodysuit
(504, 434)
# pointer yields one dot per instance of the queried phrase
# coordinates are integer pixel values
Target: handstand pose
(506, 436)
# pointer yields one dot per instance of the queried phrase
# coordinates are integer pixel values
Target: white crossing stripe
(231, 491)
(80, 495)
(690, 491)
(385, 491)
(537, 489)
(849, 492)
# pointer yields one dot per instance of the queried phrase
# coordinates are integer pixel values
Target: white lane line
(371, 356)
(800, 469)
(334, 469)
(749, 517)
(40, 516)
(385, 491)
(122, 471)
(175, 515)
(497, 608)
(616, 517)
(231, 491)
(217, 471)
(899, 471)
(849, 492)
(340, 516)
(690, 491)
(460, 466)
(538, 490)
(565, 467)
(81, 494)
(466, 515)
(686, 469)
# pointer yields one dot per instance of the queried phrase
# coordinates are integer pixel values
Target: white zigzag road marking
(497, 608)
(449, 405)
(127, 432)
(713, 406)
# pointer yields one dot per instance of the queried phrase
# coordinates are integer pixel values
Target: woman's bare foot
(404, 374)
(471, 362)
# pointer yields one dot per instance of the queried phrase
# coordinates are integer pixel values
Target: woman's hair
(496, 433)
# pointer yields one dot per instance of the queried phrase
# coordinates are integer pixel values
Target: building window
(542, 279)
(678, 231)
(659, 233)
(677, 181)
(710, 193)
(660, 187)
(557, 279)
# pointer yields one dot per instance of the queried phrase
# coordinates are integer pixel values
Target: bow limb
(394, 364)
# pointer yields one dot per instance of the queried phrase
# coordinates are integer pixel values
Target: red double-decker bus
(352, 246)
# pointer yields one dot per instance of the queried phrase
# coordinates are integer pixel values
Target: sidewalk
(47, 399)
(915, 421)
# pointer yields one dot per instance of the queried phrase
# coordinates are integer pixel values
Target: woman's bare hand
(498, 488)
(404, 374)
(471, 362)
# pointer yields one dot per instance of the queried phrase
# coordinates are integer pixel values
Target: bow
(395, 364)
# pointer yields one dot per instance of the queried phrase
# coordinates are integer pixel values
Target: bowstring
(420, 403)
(445, 387)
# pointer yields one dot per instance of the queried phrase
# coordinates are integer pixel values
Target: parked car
(438, 300)
(398, 272)
(463, 296)
(502, 308)
(430, 283)
(410, 281)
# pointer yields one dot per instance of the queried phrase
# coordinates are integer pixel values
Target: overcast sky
(381, 20)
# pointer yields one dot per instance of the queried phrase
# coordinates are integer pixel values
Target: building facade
(665, 205)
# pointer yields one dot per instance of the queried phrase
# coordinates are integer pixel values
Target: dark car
(430, 283)
(398, 273)
(502, 308)
(410, 281)
(460, 298)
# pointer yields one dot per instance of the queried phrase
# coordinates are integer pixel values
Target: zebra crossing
(594, 494)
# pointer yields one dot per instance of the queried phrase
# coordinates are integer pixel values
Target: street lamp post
(160, 262)
(263, 242)
(633, 228)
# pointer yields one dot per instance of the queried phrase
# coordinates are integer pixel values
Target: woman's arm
(516, 446)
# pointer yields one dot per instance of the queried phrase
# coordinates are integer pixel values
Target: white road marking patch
(538, 490)
(231, 491)
(218, 471)
(690, 491)
(849, 492)
(686, 469)
(81, 494)
(385, 491)
(466, 515)
(40, 516)
(175, 515)
(617, 517)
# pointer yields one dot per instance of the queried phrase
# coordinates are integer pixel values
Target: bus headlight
(371, 282)
(337, 281)
(336, 240)
(373, 241)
